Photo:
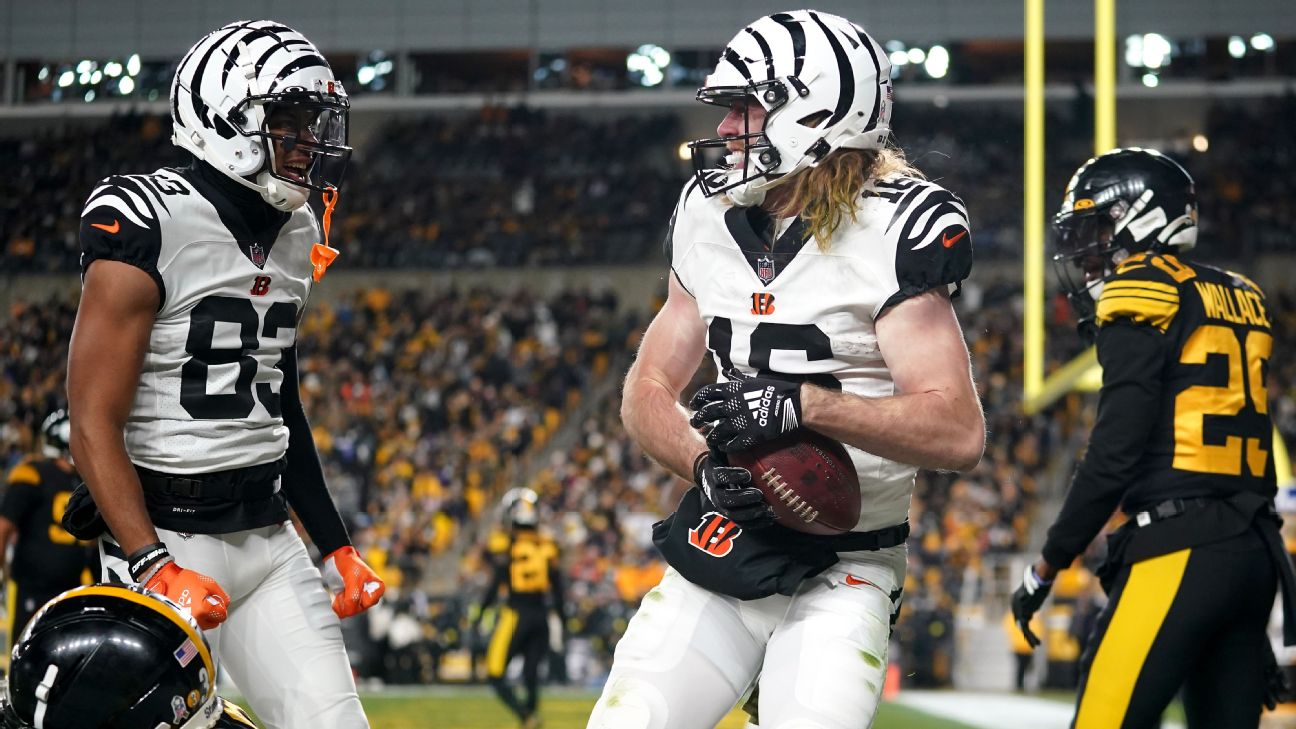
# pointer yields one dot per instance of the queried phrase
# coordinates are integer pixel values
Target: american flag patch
(186, 653)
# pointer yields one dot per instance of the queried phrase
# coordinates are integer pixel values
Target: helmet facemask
(307, 128)
(753, 166)
(1087, 254)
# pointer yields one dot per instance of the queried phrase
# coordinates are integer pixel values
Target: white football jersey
(808, 314)
(208, 395)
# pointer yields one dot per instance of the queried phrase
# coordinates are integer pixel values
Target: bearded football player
(182, 376)
(816, 267)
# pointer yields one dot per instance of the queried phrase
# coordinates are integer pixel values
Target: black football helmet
(1123, 202)
(111, 657)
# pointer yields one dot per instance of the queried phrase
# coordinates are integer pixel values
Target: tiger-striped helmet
(824, 85)
(228, 86)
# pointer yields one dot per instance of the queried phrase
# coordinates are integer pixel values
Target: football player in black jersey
(182, 374)
(816, 266)
(114, 657)
(46, 559)
(525, 566)
(1182, 444)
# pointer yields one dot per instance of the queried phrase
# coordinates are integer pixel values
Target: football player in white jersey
(816, 265)
(182, 375)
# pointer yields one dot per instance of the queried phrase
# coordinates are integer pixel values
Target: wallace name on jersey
(230, 299)
(795, 310)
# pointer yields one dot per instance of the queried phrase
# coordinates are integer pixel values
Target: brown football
(809, 480)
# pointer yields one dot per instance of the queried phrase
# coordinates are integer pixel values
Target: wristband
(1043, 582)
(142, 560)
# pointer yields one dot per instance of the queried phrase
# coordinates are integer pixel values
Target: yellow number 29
(1195, 403)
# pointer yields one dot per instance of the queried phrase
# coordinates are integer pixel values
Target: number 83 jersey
(796, 309)
(232, 280)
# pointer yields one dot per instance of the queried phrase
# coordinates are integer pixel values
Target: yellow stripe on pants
(497, 653)
(1148, 594)
(11, 605)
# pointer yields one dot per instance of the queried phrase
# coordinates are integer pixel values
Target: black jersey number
(1246, 360)
(767, 337)
(194, 397)
(529, 567)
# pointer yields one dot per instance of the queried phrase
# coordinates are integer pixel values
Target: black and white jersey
(797, 311)
(208, 395)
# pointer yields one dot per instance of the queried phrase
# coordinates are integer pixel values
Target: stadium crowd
(525, 187)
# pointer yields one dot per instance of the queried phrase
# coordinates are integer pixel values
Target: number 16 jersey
(798, 311)
(232, 281)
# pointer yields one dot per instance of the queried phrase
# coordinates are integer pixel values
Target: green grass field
(477, 708)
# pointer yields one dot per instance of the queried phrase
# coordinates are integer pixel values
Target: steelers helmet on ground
(1123, 202)
(112, 657)
(228, 86)
(56, 431)
(824, 84)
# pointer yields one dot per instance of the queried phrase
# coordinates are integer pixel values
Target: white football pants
(821, 655)
(282, 643)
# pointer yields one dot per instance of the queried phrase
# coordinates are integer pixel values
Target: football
(809, 480)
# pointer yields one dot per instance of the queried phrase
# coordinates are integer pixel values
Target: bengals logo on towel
(715, 534)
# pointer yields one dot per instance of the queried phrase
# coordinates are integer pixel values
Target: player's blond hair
(826, 194)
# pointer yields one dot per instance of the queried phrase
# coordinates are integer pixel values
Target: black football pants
(1194, 618)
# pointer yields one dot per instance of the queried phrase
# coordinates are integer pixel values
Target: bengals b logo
(715, 534)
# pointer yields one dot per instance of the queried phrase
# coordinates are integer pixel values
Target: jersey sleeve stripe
(25, 474)
(116, 203)
(1150, 285)
(1146, 293)
(1140, 309)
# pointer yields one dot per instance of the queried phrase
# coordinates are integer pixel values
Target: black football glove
(729, 489)
(1277, 690)
(746, 411)
(1026, 601)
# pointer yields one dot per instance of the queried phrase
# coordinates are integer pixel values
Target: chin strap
(322, 255)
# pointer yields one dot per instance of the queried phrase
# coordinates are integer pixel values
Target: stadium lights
(684, 152)
(899, 58)
(917, 56)
(1150, 80)
(96, 77)
(43, 74)
(1150, 50)
(66, 78)
(126, 85)
(1236, 46)
(113, 69)
(90, 95)
(649, 62)
(85, 67)
(1262, 42)
(1200, 142)
(133, 64)
(937, 64)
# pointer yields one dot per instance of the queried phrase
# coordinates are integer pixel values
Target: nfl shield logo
(257, 254)
(765, 269)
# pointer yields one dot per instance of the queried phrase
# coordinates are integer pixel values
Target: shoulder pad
(668, 244)
(1247, 283)
(1144, 290)
(928, 225)
(24, 473)
(498, 542)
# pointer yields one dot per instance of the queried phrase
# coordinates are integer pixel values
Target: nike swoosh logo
(111, 229)
(949, 242)
(854, 581)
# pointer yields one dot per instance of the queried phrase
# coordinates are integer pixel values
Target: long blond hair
(825, 195)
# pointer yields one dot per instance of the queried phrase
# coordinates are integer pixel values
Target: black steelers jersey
(1183, 411)
(527, 565)
(45, 556)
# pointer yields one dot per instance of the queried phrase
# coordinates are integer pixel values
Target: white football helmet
(229, 84)
(824, 84)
